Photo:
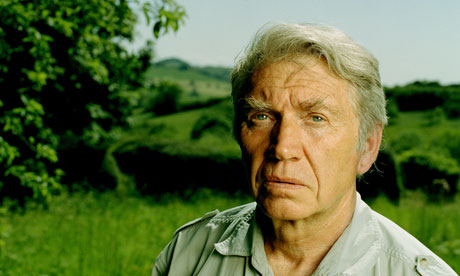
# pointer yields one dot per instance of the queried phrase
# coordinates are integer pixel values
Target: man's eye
(261, 117)
(317, 119)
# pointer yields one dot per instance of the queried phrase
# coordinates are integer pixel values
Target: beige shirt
(231, 243)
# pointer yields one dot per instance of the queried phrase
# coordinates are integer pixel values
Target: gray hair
(346, 58)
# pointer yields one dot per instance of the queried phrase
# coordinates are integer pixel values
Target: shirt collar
(244, 238)
(238, 238)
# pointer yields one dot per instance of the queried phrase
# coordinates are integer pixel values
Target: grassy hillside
(195, 81)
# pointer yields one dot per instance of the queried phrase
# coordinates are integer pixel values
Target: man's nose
(286, 140)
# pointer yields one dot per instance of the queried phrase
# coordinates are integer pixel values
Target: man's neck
(299, 246)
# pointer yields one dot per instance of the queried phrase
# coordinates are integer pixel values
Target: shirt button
(424, 262)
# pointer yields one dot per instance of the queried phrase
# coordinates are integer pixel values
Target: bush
(380, 179)
(422, 95)
(211, 124)
(411, 99)
(392, 109)
(452, 105)
(63, 82)
(217, 121)
(164, 99)
(405, 141)
(434, 116)
(448, 140)
(436, 174)
(165, 166)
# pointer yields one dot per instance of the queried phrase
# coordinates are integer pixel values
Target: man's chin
(286, 209)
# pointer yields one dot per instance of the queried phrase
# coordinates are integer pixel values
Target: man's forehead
(304, 85)
(309, 73)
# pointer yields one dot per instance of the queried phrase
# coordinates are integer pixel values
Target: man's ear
(371, 149)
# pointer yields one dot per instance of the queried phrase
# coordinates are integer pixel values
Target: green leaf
(145, 8)
(156, 29)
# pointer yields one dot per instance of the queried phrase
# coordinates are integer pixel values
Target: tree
(63, 81)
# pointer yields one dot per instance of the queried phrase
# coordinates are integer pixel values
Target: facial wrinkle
(314, 170)
(314, 103)
(291, 76)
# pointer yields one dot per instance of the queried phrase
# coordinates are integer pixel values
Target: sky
(412, 39)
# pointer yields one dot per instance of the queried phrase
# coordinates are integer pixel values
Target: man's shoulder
(398, 244)
(216, 219)
(195, 241)
(397, 239)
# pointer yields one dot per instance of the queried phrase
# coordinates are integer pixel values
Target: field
(104, 234)
(99, 234)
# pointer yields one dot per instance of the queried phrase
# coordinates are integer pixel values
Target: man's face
(299, 140)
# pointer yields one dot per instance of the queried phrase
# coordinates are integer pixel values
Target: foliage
(434, 173)
(162, 144)
(422, 95)
(210, 123)
(436, 138)
(392, 109)
(64, 77)
(163, 98)
(448, 140)
(217, 121)
(434, 116)
(418, 98)
(404, 141)
(381, 179)
(159, 165)
(452, 105)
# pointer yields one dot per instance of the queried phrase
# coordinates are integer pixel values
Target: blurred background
(116, 118)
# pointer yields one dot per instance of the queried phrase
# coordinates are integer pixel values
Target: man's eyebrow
(312, 103)
(317, 103)
(252, 103)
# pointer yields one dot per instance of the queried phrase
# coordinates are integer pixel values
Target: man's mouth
(281, 181)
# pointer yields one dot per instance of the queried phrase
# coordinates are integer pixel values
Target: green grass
(178, 125)
(99, 234)
(103, 234)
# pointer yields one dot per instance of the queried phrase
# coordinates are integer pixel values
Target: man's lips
(282, 180)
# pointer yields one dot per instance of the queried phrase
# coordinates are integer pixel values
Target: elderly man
(309, 114)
